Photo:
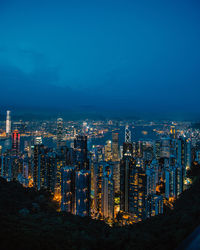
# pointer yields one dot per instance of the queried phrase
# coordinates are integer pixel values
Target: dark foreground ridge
(29, 221)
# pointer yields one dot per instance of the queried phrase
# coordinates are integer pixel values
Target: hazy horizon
(123, 57)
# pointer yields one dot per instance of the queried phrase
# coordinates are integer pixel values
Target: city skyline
(99, 124)
(114, 172)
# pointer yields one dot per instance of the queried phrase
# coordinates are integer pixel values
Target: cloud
(35, 89)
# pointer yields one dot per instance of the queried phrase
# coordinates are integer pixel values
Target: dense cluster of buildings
(112, 182)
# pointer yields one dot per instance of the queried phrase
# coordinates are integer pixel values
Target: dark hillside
(29, 221)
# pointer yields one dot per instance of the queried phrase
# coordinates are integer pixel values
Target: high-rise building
(182, 148)
(108, 150)
(157, 148)
(26, 170)
(85, 127)
(157, 170)
(189, 154)
(92, 171)
(50, 172)
(174, 176)
(98, 173)
(165, 150)
(68, 189)
(127, 134)
(151, 180)
(115, 146)
(108, 195)
(170, 182)
(98, 153)
(60, 163)
(38, 166)
(15, 142)
(81, 153)
(6, 166)
(115, 169)
(155, 205)
(173, 132)
(127, 149)
(44, 165)
(83, 188)
(38, 140)
(127, 167)
(8, 123)
(42, 169)
(139, 149)
(59, 133)
(136, 184)
(16, 167)
(139, 191)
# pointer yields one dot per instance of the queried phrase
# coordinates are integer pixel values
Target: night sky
(132, 56)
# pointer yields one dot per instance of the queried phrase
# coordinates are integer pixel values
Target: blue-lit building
(174, 176)
(68, 189)
(127, 183)
(108, 194)
(82, 192)
(81, 160)
(50, 172)
(154, 205)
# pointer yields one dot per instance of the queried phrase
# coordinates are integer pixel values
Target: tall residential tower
(8, 123)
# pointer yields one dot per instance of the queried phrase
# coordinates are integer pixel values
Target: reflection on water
(137, 133)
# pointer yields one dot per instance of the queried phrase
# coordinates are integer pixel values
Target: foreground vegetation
(29, 221)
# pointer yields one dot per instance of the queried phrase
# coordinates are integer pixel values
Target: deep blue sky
(98, 54)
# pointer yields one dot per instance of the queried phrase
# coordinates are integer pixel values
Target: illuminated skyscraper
(115, 146)
(157, 148)
(81, 152)
(25, 168)
(150, 180)
(59, 133)
(61, 161)
(127, 134)
(136, 185)
(174, 176)
(68, 189)
(115, 168)
(108, 195)
(6, 166)
(8, 123)
(15, 142)
(157, 170)
(173, 132)
(38, 140)
(139, 149)
(127, 166)
(165, 148)
(140, 193)
(44, 165)
(182, 148)
(37, 167)
(127, 149)
(108, 150)
(98, 173)
(85, 127)
(189, 155)
(155, 205)
(50, 172)
(99, 153)
(82, 183)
